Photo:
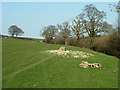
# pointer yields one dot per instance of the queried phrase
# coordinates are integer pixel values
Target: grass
(24, 66)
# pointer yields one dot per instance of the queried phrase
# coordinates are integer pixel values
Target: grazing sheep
(75, 54)
(62, 49)
(5, 37)
(86, 65)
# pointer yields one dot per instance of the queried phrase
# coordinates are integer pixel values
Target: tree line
(91, 22)
(89, 30)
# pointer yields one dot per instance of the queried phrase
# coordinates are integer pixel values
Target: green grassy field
(24, 66)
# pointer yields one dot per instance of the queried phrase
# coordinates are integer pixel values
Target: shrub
(47, 40)
(101, 44)
(114, 44)
(85, 42)
(71, 41)
(58, 40)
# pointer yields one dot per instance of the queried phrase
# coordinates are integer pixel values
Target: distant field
(24, 66)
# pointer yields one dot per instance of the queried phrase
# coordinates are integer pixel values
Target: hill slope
(24, 66)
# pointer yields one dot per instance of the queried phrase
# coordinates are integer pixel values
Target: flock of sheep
(75, 54)
(69, 53)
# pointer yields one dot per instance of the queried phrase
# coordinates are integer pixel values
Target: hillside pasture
(25, 66)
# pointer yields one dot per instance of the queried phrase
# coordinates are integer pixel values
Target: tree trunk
(78, 37)
(91, 42)
(12, 35)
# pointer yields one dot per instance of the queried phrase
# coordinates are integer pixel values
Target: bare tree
(14, 30)
(104, 27)
(49, 31)
(92, 20)
(93, 17)
(77, 28)
(64, 31)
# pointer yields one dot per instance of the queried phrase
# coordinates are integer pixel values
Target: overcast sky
(31, 17)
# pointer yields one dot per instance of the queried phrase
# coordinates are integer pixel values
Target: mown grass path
(24, 66)
(28, 67)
